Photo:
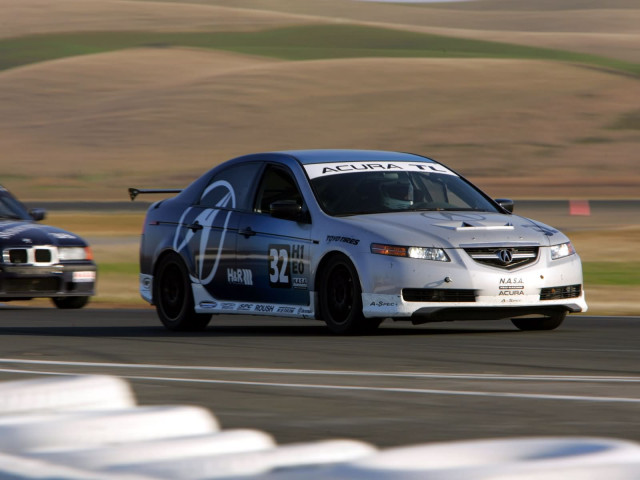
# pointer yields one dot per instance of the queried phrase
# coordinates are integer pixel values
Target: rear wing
(134, 192)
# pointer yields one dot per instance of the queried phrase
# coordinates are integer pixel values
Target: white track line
(424, 391)
(354, 373)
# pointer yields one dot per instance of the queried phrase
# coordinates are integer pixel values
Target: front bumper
(58, 280)
(462, 289)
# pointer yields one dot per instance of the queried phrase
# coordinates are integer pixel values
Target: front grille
(506, 258)
(30, 255)
(30, 285)
(449, 295)
(18, 255)
(559, 293)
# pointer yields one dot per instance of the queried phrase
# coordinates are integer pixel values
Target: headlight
(562, 250)
(423, 253)
(74, 253)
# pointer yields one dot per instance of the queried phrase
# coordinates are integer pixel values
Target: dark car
(42, 261)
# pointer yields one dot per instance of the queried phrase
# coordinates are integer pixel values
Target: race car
(42, 261)
(351, 237)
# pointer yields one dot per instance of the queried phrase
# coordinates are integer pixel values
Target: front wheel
(340, 299)
(68, 303)
(174, 298)
(551, 322)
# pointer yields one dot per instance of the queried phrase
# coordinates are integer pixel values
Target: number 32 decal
(279, 275)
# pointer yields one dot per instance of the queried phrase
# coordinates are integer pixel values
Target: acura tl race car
(351, 237)
(41, 261)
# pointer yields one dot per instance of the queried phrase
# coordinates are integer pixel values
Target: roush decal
(335, 168)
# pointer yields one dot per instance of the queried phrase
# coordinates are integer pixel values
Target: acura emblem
(505, 256)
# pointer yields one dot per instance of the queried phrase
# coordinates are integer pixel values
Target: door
(275, 252)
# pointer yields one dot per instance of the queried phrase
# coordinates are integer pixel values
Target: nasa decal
(206, 218)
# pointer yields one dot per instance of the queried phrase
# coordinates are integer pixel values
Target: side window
(231, 187)
(276, 184)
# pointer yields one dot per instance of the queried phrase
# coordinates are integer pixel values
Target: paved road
(404, 385)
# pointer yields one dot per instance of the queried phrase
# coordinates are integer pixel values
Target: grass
(612, 273)
(292, 43)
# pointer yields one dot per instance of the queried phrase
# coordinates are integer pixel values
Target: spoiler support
(134, 192)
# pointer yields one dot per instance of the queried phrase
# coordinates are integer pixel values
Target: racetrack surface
(404, 385)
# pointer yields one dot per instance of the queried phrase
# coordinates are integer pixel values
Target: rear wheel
(174, 297)
(340, 299)
(550, 322)
(68, 303)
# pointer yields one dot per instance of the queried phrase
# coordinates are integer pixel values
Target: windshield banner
(335, 168)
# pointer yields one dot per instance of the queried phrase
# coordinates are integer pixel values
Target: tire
(550, 322)
(340, 299)
(68, 303)
(174, 298)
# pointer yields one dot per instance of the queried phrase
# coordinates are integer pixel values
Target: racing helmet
(397, 195)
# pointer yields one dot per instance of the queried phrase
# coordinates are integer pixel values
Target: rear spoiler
(134, 192)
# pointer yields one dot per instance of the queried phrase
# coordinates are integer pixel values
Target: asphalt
(403, 385)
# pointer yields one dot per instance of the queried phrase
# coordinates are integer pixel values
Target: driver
(397, 195)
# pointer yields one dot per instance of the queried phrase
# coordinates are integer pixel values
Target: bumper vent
(506, 258)
(559, 293)
(449, 295)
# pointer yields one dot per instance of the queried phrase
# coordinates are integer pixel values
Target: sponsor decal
(340, 239)
(245, 307)
(17, 230)
(299, 282)
(511, 286)
(228, 306)
(304, 311)
(382, 304)
(206, 219)
(264, 308)
(240, 276)
(286, 310)
(208, 304)
(63, 236)
(83, 277)
(336, 168)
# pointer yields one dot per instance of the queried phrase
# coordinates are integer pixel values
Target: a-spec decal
(286, 262)
(325, 169)
(206, 219)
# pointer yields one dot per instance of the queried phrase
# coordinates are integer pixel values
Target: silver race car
(351, 237)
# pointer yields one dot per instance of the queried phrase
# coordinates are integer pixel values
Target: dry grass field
(86, 127)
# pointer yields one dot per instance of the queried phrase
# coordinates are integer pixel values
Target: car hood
(456, 229)
(27, 233)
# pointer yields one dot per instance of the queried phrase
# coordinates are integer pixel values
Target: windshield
(396, 187)
(10, 208)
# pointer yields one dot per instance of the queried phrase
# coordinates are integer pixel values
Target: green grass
(595, 273)
(611, 273)
(292, 43)
(128, 268)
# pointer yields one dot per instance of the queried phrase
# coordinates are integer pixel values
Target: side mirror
(38, 214)
(505, 203)
(287, 210)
